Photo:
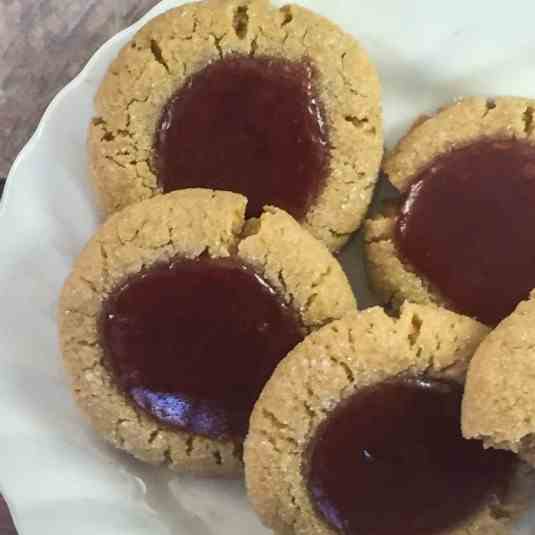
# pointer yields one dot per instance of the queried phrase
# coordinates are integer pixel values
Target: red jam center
(252, 125)
(467, 226)
(194, 342)
(391, 461)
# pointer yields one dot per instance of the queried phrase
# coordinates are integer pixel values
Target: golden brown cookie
(370, 360)
(293, 275)
(187, 49)
(499, 401)
(473, 163)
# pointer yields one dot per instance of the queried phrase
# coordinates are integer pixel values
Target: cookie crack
(136, 234)
(362, 124)
(105, 262)
(304, 36)
(288, 16)
(90, 284)
(157, 53)
(133, 164)
(271, 441)
(310, 301)
(99, 122)
(217, 43)
(316, 284)
(136, 78)
(115, 161)
(311, 413)
(345, 368)
(351, 338)
(490, 104)
(111, 135)
(274, 420)
(130, 103)
(416, 327)
(322, 277)
(153, 436)
(527, 118)
(254, 46)
(432, 365)
(361, 177)
(151, 164)
(282, 429)
(356, 121)
(352, 164)
(285, 290)
(168, 458)
(189, 445)
(218, 458)
(240, 21)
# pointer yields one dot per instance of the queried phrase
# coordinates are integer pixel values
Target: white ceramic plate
(57, 476)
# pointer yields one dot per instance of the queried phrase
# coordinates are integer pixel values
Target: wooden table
(44, 44)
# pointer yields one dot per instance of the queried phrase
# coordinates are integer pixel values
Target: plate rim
(37, 135)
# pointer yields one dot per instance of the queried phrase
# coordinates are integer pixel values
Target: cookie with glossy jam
(359, 431)
(177, 312)
(279, 105)
(460, 235)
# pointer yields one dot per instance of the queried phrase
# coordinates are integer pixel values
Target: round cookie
(138, 246)
(499, 400)
(189, 49)
(323, 375)
(465, 177)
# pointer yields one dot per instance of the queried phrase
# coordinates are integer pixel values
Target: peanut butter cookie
(461, 234)
(499, 404)
(177, 312)
(358, 431)
(279, 105)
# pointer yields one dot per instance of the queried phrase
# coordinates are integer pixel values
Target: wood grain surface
(44, 44)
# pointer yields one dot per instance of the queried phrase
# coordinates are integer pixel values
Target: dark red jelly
(194, 342)
(252, 125)
(391, 461)
(467, 226)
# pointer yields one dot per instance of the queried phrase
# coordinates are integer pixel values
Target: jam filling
(391, 460)
(467, 226)
(251, 125)
(193, 342)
